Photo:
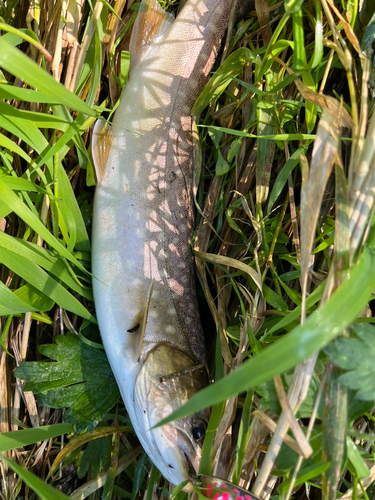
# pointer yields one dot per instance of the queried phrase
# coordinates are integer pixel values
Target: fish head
(167, 379)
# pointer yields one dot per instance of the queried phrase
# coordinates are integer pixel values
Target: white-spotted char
(144, 286)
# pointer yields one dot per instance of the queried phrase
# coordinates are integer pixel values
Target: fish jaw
(167, 379)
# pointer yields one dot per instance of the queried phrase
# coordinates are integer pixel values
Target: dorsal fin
(102, 137)
(151, 23)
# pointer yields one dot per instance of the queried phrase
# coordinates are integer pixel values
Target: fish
(143, 221)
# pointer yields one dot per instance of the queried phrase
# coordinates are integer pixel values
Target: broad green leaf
(271, 401)
(31, 295)
(356, 357)
(319, 329)
(22, 35)
(305, 474)
(355, 457)
(273, 299)
(79, 379)
(18, 64)
(24, 437)
(45, 491)
(292, 294)
(140, 474)
(287, 458)
(95, 458)
(369, 34)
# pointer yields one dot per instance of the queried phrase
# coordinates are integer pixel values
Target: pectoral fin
(138, 326)
(102, 138)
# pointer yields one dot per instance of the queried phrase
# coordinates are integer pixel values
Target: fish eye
(199, 430)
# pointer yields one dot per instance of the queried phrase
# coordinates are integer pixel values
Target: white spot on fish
(184, 280)
(130, 263)
(173, 249)
(153, 227)
(164, 208)
(176, 287)
(171, 227)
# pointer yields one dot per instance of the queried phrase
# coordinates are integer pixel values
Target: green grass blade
(11, 303)
(243, 435)
(230, 68)
(27, 95)
(66, 194)
(282, 177)
(299, 60)
(45, 491)
(318, 41)
(19, 65)
(45, 259)
(33, 274)
(18, 439)
(274, 137)
(306, 474)
(16, 205)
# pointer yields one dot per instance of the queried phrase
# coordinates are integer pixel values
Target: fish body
(143, 283)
